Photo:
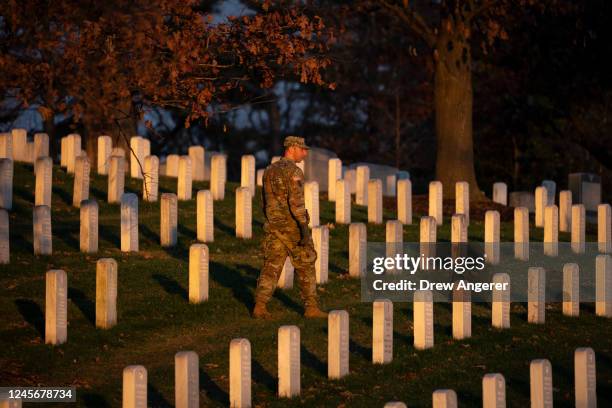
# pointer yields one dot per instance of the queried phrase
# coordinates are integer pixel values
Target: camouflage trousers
(276, 248)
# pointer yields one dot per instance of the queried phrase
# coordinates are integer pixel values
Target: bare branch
(413, 19)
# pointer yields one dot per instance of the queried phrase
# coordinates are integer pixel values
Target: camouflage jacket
(283, 197)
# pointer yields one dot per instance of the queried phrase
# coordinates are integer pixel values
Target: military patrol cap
(295, 141)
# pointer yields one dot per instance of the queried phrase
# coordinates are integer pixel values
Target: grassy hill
(155, 319)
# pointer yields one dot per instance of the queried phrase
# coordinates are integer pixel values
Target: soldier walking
(286, 231)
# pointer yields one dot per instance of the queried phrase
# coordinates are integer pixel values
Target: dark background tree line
(538, 74)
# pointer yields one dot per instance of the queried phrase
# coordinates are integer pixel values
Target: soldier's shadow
(232, 279)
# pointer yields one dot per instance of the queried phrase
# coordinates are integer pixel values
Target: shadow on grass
(23, 192)
(108, 235)
(470, 399)
(213, 391)
(131, 189)
(19, 241)
(163, 189)
(250, 270)
(179, 251)
(336, 269)
(33, 314)
(356, 348)
(65, 235)
(399, 337)
(311, 360)
(155, 398)
(224, 227)
(94, 400)
(232, 279)
(588, 307)
(261, 376)
(86, 306)
(63, 194)
(171, 286)
(149, 234)
(98, 194)
(186, 232)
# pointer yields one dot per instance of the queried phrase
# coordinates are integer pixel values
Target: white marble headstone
(134, 387)
(106, 293)
(186, 380)
(129, 222)
(337, 344)
(240, 373)
(198, 273)
(205, 218)
(540, 374)
(382, 331)
(168, 224)
(435, 201)
(288, 361)
(56, 307)
(358, 241)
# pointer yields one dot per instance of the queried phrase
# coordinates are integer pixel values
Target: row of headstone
(545, 196)
(106, 293)
(289, 369)
(584, 187)
(144, 166)
(289, 342)
(394, 238)
(244, 216)
(140, 147)
(14, 145)
(56, 300)
(540, 385)
(357, 244)
(196, 155)
(382, 351)
(551, 229)
(240, 367)
(326, 169)
(42, 236)
(289, 384)
(373, 193)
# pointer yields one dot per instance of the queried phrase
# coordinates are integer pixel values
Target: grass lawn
(155, 319)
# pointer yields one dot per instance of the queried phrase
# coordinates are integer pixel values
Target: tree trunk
(453, 111)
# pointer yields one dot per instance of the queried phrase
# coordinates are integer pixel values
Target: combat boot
(260, 311)
(313, 312)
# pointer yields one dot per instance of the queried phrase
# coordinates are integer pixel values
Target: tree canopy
(102, 61)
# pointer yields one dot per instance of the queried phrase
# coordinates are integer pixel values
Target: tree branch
(413, 19)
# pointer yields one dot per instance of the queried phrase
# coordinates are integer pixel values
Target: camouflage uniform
(285, 218)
